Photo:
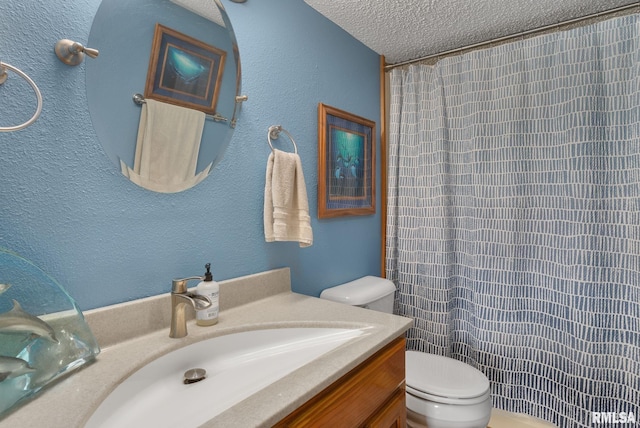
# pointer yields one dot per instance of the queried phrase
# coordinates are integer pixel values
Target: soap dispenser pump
(209, 288)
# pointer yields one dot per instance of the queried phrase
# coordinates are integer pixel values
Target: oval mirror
(182, 55)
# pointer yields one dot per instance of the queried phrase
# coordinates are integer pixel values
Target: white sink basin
(237, 366)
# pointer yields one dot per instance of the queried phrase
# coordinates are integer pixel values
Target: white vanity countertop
(135, 333)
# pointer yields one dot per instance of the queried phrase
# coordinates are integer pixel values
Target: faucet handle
(180, 285)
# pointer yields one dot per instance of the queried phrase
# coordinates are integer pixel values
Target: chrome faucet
(180, 298)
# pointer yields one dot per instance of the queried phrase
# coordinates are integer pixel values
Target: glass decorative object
(43, 334)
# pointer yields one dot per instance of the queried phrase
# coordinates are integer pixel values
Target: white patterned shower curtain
(514, 217)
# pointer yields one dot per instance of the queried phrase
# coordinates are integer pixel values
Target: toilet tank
(369, 292)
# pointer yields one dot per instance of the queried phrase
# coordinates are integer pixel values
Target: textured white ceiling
(205, 8)
(402, 30)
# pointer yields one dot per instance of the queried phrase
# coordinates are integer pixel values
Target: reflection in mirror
(123, 31)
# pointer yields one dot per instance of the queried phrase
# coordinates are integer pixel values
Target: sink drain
(194, 375)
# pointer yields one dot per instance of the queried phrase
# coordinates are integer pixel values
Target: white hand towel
(163, 187)
(167, 147)
(286, 208)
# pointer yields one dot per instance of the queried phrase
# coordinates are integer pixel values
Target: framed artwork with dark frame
(184, 71)
(346, 163)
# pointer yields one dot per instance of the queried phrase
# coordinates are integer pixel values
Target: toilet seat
(448, 400)
(444, 380)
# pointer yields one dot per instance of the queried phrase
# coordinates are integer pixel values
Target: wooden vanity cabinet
(372, 395)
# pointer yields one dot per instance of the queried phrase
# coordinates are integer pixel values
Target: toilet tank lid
(359, 292)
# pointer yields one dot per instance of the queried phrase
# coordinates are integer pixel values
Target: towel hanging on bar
(286, 207)
(140, 99)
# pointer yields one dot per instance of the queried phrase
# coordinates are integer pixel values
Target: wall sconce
(72, 53)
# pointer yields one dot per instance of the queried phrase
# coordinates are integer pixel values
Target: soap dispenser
(209, 288)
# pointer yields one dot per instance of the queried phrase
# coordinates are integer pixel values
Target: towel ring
(274, 132)
(3, 77)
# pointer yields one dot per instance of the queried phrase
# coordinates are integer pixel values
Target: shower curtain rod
(513, 36)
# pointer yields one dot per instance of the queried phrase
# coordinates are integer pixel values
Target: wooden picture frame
(184, 71)
(346, 163)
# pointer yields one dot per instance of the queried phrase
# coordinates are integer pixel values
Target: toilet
(441, 392)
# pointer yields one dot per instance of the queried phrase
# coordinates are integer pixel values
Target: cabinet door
(353, 399)
(393, 414)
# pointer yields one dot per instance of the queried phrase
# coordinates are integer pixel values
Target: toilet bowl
(443, 392)
(440, 392)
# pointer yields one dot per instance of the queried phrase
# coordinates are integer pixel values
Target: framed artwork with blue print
(346, 163)
(184, 71)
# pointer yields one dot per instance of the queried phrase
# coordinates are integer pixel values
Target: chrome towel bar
(139, 99)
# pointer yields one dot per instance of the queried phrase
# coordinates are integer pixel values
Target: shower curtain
(513, 228)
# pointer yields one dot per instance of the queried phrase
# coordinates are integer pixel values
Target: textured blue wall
(64, 205)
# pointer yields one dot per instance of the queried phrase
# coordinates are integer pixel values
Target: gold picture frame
(346, 163)
(184, 71)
